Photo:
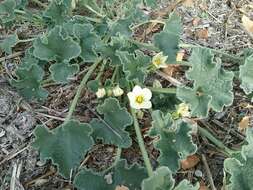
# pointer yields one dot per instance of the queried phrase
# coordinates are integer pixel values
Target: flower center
(158, 61)
(139, 99)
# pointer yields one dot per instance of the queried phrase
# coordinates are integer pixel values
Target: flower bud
(101, 93)
(117, 91)
(183, 110)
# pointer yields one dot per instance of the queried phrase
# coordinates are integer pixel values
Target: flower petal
(146, 105)
(137, 90)
(147, 94)
(135, 105)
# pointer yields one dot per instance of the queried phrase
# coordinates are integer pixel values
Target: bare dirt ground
(212, 23)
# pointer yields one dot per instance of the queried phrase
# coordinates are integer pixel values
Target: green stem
(94, 11)
(26, 40)
(115, 73)
(163, 90)
(214, 140)
(145, 45)
(101, 70)
(142, 145)
(80, 88)
(146, 22)
(118, 154)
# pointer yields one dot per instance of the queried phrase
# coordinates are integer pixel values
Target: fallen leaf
(247, 23)
(188, 3)
(122, 187)
(202, 33)
(244, 123)
(190, 162)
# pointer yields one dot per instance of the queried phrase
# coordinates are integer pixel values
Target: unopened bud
(117, 91)
(101, 93)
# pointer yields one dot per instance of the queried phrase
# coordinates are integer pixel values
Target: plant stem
(80, 88)
(142, 145)
(146, 22)
(214, 140)
(115, 73)
(118, 154)
(94, 11)
(26, 40)
(163, 90)
(101, 70)
(145, 45)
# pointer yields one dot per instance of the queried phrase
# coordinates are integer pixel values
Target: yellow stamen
(157, 61)
(139, 99)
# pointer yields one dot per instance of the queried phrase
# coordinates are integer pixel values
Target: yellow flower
(140, 98)
(101, 93)
(183, 110)
(159, 60)
(117, 91)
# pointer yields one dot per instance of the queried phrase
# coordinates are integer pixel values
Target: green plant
(103, 39)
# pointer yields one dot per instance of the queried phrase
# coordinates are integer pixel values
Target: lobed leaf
(61, 72)
(168, 39)
(112, 128)
(29, 82)
(66, 145)
(162, 179)
(88, 41)
(246, 75)
(54, 47)
(9, 42)
(175, 141)
(212, 85)
(121, 174)
(134, 65)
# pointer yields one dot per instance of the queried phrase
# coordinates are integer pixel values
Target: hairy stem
(94, 11)
(146, 22)
(214, 140)
(142, 145)
(163, 90)
(79, 90)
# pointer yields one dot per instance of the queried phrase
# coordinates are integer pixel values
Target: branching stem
(141, 144)
(163, 90)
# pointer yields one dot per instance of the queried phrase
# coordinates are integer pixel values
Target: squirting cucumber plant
(103, 40)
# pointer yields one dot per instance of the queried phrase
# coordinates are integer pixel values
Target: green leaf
(168, 39)
(111, 128)
(88, 41)
(66, 145)
(134, 65)
(161, 180)
(241, 169)
(246, 75)
(175, 141)
(121, 174)
(58, 11)
(152, 3)
(212, 84)
(7, 11)
(93, 85)
(29, 82)
(9, 42)
(61, 72)
(54, 47)
(121, 27)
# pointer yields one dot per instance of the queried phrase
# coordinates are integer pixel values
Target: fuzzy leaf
(174, 143)
(151, 3)
(54, 47)
(66, 145)
(121, 27)
(88, 41)
(57, 11)
(111, 128)
(134, 65)
(7, 44)
(28, 82)
(62, 71)
(212, 84)
(161, 179)
(7, 11)
(121, 174)
(168, 39)
(246, 75)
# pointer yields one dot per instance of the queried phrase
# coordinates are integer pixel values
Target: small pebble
(198, 173)
(2, 132)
